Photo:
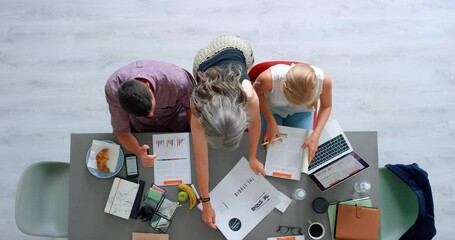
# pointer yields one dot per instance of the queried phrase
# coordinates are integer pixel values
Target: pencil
(265, 143)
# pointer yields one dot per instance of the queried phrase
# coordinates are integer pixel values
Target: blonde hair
(301, 85)
(219, 103)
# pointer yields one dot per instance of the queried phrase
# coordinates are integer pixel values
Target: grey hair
(220, 105)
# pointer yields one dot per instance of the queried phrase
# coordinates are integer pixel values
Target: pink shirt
(172, 90)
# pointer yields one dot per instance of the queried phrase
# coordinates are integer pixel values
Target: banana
(190, 192)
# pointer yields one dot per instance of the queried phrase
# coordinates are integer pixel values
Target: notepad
(121, 198)
(332, 211)
(357, 222)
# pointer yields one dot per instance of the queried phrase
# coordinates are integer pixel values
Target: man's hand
(312, 144)
(257, 167)
(146, 159)
(208, 215)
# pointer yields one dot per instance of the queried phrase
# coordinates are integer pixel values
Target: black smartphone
(132, 170)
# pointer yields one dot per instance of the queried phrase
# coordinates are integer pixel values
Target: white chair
(42, 199)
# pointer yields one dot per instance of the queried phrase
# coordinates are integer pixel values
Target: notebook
(333, 144)
(355, 222)
(332, 211)
(121, 198)
(137, 201)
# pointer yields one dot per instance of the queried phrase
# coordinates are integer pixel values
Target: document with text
(241, 200)
(285, 158)
(172, 165)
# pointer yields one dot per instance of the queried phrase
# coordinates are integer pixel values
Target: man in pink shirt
(148, 96)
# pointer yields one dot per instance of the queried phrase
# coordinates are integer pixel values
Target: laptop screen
(338, 171)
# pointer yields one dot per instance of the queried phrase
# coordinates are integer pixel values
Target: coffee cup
(316, 230)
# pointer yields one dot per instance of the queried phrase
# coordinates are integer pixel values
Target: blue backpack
(424, 227)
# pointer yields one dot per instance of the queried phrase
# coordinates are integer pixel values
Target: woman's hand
(312, 144)
(146, 159)
(208, 215)
(272, 132)
(257, 167)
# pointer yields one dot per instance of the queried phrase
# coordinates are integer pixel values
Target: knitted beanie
(221, 43)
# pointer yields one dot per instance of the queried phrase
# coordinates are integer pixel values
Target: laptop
(335, 160)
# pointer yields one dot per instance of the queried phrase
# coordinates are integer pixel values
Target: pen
(265, 143)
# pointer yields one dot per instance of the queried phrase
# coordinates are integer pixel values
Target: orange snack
(101, 158)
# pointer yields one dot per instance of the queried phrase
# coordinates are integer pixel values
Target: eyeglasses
(286, 229)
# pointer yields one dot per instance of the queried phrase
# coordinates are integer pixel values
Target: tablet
(338, 171)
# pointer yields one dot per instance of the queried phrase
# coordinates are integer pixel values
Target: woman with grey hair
(223, 105)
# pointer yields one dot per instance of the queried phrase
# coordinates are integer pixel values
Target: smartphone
(132, 170)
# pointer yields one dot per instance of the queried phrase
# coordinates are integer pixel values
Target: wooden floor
(392, 64)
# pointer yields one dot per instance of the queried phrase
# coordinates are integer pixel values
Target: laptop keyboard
(328, 150)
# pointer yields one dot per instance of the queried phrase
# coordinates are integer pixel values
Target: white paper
(173, 164)
(285, 158)
(97, 146)
(284, 202)
(298, 237)
(121, 198)
(241, 200)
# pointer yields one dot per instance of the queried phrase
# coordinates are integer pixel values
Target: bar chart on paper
(172, 165)
(171, 147)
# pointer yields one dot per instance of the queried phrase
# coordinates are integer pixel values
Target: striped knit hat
(221, 43)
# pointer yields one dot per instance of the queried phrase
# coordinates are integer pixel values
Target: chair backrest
(399, 205)
(417, 179)
(257, 69)
(42, 199)
(261, 67)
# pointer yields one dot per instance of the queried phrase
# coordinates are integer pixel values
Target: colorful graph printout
(172, 165)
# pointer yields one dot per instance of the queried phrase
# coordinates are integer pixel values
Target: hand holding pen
(272, 133)
(272, 141)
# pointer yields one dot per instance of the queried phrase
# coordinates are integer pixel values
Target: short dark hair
(135, 98)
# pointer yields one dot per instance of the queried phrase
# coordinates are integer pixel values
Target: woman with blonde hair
(288, 95)
(223, 105)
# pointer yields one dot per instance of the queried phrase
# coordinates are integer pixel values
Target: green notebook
(332, 211)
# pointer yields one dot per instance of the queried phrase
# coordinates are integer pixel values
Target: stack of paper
(121, 198)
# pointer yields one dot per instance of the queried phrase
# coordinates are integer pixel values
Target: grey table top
(88, 194)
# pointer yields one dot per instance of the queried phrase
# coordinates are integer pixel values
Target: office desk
(88, 194)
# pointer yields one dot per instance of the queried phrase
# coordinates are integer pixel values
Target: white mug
(316, 230)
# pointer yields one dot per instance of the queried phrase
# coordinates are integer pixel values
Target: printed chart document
(285, 158)
(241, 200)
(172, 165)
